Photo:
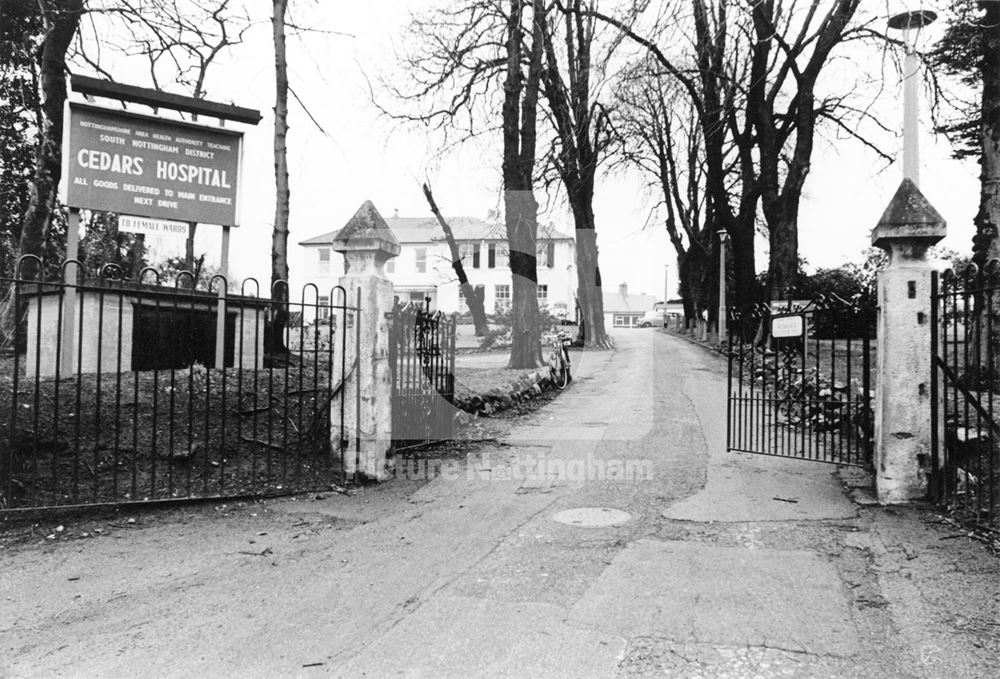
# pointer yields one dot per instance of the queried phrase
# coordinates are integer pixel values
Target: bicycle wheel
(560, 373)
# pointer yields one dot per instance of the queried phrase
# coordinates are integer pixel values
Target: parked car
(657, 316)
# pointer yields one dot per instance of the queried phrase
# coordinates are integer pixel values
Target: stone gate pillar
(908, 227)
(367, 243)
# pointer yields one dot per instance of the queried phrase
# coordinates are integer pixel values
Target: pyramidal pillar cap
(909, 217)
(367, 231)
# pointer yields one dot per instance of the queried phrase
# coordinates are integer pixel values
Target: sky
(360, 155)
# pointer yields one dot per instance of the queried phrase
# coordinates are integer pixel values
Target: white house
(624, 310)
(423, 268)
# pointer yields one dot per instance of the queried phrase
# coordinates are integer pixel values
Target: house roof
(616, 302)
(427, 230)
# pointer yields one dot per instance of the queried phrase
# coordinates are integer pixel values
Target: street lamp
(723, 236)
(910, 24)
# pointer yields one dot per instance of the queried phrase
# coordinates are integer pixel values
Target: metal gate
(800, 381)
(965, 387)
(422, 356)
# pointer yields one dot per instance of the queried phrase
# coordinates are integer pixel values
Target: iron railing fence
(800, 381)
(422, 358)
(116, 391)
(965, 388)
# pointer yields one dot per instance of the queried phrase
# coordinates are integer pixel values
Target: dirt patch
(143, 436)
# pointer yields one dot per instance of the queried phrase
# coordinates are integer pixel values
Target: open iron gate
(965, 434)
(422, 357)
(800, 381)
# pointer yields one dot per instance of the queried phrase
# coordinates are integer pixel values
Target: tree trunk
(578, 125)
(519, 115)
(986, 245)
(684, 284)
(473, 298)
(988, 217)
(590, 299)
(744, 266)
(699, 281)
(521, 213)
(65, 18)
(279, 237)
(590, 296)
(783, 236)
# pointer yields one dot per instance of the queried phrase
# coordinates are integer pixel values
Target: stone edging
(698, 343)
(525, 388)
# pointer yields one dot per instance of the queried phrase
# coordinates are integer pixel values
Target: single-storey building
(625, 310)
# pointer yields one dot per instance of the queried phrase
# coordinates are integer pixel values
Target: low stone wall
(524, 388)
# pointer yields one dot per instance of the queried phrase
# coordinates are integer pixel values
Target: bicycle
(559, 362)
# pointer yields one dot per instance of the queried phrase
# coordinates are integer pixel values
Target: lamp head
(905, 21)
(910, 24)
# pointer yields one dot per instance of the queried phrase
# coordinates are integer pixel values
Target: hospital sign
(133, 164)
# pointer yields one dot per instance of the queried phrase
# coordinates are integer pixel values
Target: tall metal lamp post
(723, 236)
(910, 24)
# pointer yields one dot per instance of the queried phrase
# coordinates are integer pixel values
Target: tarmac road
(714, 564)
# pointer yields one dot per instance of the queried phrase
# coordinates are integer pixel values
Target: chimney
(623, 289)
(395, 213)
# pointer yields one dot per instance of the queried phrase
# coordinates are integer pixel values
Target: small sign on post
(152, 227)
(787, 326)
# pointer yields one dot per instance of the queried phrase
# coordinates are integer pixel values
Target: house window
(421, 260)
(502, 293)
(323, 307)
(491, 256)
(475, 255)
(461, 293)
(550, 254)
(501, 259)
(324, 260)
(543, 294)
(626, 320)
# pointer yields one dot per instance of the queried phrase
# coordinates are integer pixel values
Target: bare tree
(661, 137)
(163, 32)
(180, 40)
(785, 132)
(466, 61)
(520, 116)
(752, 73)
(279, 237)
(711, 72)
(61, 19)
(473, 296)
(579, 120)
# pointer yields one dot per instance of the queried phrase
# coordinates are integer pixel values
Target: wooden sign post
(149, 167)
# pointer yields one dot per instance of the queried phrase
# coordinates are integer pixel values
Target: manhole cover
(592, 517)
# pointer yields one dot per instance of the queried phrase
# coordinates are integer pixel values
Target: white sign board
(787, 326)
(154, 227)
